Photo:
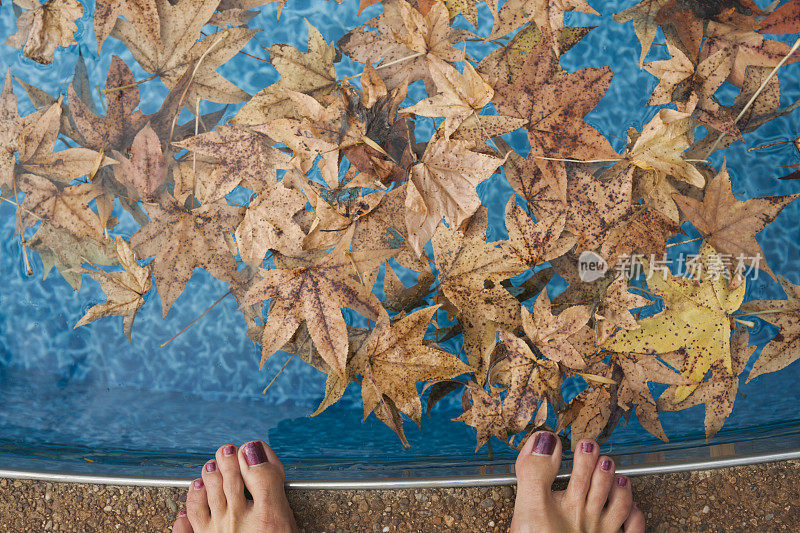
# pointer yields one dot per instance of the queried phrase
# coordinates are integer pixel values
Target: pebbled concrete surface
(762, 497)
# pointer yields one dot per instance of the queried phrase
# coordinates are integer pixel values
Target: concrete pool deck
(761, 497)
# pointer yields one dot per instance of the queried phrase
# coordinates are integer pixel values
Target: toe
(602, 479)
(583, 466)
(232, 482)
(212, 479)
(635, 521)
(620, 501)
(182, 524)
(264, 477)
(197, 508)
(536, 467)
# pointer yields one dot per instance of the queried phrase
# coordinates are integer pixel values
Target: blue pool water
(88, 395)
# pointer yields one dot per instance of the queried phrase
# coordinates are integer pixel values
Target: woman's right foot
(594, 501)
(217, 502)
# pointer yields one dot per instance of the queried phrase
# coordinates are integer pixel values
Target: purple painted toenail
(544, 443)
(228, 450)
(635, 505)
(211, 466)
(587, 447)
(181, 513)
(254, 453)
(622, 481)
(198, 484)
(605, 466)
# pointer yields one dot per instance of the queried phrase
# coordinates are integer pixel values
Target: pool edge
(400, 483)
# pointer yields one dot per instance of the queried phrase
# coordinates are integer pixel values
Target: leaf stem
(767, 145)
(684, 242)
(752, 100)
(193, 322)
(129, 85)
(389, 64)
(278, 374)
(577, 160)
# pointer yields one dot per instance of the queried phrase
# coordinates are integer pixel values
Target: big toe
(264, 477)
(536, 468)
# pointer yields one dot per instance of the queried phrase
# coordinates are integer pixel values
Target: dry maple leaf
(749, 47)
(182, 239)
(460, 95)
(67, 251)
(268, 225)
(396, 358)
(719, 392)
(633, 389)
(588, 414)
(643, 15)
(504, 63)
(535, 243)
(564, 338)
(384, 228)
(470, 275)
(66, 207)
(311, 72)
(146, 170)
(10, 127)
(176, 49)
(784, 20)
(37, 140)
(696, 319)
(124, 289)
(405, 38)
(443, 185)
(554, 104)
(594, 206)
(247, 157)
(730, 225)
(45, 27)
(142, 14)
(122, 122)
(615, 309)
(548, 15)
(530, 381)
(484, 414)
(782, 350)
(315, 291)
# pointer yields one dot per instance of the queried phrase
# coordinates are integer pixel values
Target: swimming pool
(86, 400)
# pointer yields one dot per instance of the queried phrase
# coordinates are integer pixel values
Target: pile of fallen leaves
(342, 193)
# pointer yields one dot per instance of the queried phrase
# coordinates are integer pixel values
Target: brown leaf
(315, 291)
(729, 224)
(784, 20)
(122, 122)
(66, 208)
(142, 14)
(531, 381)
(268, 225)
(181, 240)
(146, 170)
(563, 338)
(45, 27)
(554, 106)
(397, 358)
(125, 290)
(67, 251)
(486, 415)
(442, 185)
(248, 157)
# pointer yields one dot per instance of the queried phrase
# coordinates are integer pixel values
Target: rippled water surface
(74, 393)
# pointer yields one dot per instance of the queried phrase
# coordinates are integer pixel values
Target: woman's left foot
(217, 502)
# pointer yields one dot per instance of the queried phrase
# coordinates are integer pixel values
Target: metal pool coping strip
(399, 483)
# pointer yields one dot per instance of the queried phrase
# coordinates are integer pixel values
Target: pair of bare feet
(596, 500)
